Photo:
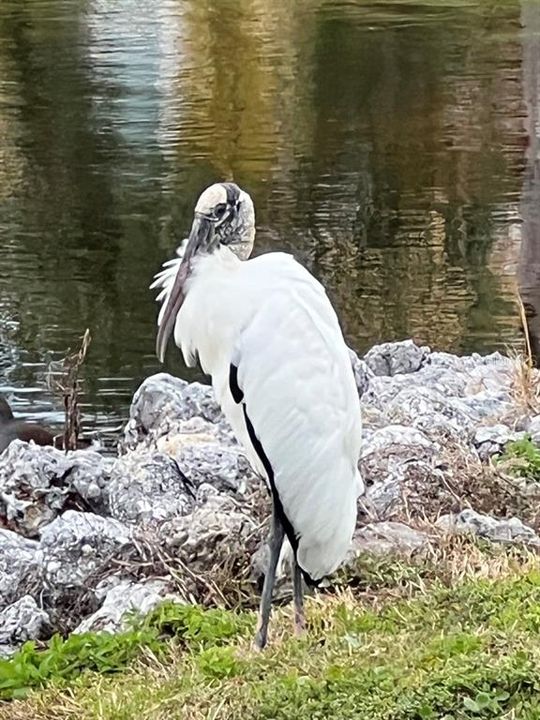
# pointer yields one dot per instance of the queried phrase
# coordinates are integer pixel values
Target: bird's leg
(276, 541)
(298, 593)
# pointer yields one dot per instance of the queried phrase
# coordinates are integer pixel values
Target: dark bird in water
(13, 429)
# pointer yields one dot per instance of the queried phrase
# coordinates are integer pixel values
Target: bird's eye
(219, 210)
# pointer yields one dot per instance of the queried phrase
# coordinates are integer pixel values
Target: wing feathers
(236, 392)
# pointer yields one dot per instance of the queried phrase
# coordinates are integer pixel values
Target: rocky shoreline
(180, 513)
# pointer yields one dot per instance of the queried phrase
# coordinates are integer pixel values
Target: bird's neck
(220, 260)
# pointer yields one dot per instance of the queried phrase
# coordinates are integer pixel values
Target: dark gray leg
(298, 593)
(276, 541)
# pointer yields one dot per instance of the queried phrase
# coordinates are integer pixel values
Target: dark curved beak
(200, 238)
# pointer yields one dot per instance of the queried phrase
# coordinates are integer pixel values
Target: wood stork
(266, 333)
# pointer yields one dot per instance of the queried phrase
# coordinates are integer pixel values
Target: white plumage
(270, 322)
(273, 320)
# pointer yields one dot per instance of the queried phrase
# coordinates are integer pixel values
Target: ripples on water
(383, 143)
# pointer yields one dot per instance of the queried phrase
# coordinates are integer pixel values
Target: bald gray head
(224, 217)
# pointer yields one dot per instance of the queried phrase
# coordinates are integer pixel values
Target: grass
(522, 459)
(410, 644)
(67, 659)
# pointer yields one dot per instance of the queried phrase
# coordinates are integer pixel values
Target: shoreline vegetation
(452, 636)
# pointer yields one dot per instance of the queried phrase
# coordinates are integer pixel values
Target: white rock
(123, 599)
(396, 357)
(161, 401)
(362, 373)
(397, 440)
(491, 439)
(77, 545)
(36, 482)
(469, 521)
(385, 538)
(19, 565)
(23, 620)
(148, 488)
(219, 525)
(533, 429)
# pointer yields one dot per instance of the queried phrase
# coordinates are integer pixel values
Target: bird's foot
(299, 623)
(260, 639)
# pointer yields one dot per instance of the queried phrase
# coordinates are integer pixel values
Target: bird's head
(224, 216)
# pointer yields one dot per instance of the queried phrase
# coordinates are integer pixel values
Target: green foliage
(450, 652)
(219, 662)
(522, 458)
(196, 626)
(65, 659)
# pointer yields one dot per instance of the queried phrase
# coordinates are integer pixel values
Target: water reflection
(383, 144)
(529, 274)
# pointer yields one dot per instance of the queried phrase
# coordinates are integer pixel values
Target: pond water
(386, 144)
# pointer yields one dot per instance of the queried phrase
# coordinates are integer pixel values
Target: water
(385, 145)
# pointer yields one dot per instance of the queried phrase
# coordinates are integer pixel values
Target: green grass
(464, 647)
(64, 660)
(522, 458)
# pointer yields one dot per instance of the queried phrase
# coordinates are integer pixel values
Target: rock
(362, 373)
(161, 401)
(404, 471)
(78, 546)
(225, 468)
(148, 488)
(19, 566)
(424, 407)
(397, 357)
(217, 528)
(387, 538)
(36, 483)
(23, 620)
(122, 600)
(427, 417)
(533, 429)
(468, 363)
(208, 453)
(413, 487)
(440, 429)
(195, 431)
(511, 530)
(390, 448)
(491, 439)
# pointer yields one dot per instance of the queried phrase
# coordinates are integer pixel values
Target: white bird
(266, 333)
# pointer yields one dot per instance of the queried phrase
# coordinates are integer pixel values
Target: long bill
(200, 237)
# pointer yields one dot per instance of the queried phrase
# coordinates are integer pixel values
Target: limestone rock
(122, 600)
(161, 401)
(533, 429)
(23, 620)
(491, 439)
(77, 546)
(226, 468)
(217, 527)
(396, 357)
(36, 483)
(387, 538)
(362, 372)
(511, 530)
(148, 488)
(19, 566)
